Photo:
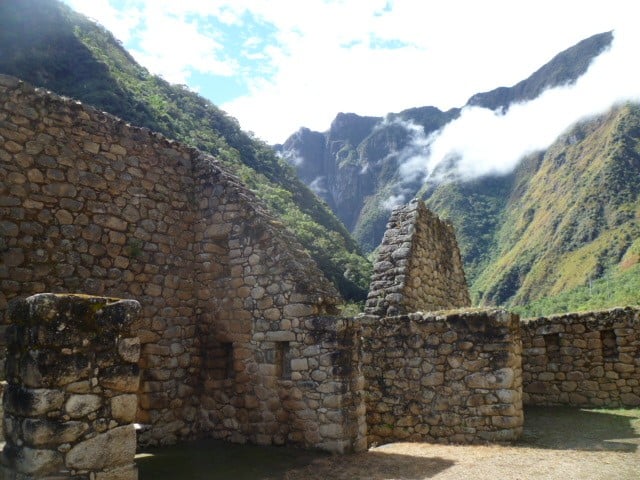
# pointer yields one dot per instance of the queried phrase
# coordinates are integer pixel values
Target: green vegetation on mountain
(561, 232)
(47, 44)
(575, 218)
(563, 221)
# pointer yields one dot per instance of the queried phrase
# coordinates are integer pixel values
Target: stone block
(127, 472)
(124, 408)
(39, 432)
(31, 402)
(129, 349)
(40, 463)
(113, 448)
(298, 310)
(78, 406)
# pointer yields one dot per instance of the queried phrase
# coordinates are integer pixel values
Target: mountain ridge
(506, 262)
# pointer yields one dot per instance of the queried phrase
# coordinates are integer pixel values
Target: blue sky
(277, 65)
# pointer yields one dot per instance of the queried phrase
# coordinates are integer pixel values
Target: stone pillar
(70, 402)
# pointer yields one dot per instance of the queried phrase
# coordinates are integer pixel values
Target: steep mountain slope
(49, 45)
(575, 219)
(356, 168)
(564, 218)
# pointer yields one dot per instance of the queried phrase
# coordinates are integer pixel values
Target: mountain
(49, 45)
(564, 218)
(563, 69)
(354, 165)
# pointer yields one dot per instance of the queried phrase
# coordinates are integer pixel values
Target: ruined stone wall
(418, 266)
(443, 377)
(583, 359)
(70, 402)
(92, 204)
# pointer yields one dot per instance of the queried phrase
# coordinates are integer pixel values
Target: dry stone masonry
(89, 203)
(583, 359)
(70, 402)
(445, 377)
(418, 267)
(237, 336)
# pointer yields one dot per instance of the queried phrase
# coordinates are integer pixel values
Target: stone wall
(70, 402)
(89, 203)
(583, 359)
(443, 377)
(418, 266)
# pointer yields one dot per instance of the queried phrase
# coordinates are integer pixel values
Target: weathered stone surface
(575, 358)
(69, 340)
(124, 408)
(419, 266)
(430, 393)
(81, 405)
(41, 432)
(32, 461)
(110, 449)
(31, 402)
(129, 349)
(128, 472)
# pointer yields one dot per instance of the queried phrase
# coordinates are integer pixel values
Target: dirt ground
(558, 444)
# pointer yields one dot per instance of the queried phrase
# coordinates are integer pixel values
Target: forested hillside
(49, 45)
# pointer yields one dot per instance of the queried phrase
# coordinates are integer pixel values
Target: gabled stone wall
(91, 204)
(451, 376)
(418, 266)
(589, 359)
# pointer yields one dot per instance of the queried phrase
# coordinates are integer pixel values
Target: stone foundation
(71, 401)
(443, 377)
(583, 359)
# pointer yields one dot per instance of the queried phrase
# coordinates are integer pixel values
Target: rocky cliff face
(355, 165)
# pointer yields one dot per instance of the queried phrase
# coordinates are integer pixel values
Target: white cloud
(451, 50)
(489, 142)
(184, 50)
(393, 201)
(318, 186)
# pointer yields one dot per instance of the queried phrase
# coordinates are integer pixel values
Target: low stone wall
(583, 359)
(418, 267)
(443, 377)
(71, 401)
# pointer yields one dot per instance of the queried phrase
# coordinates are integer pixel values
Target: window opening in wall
(552, 344)
(227, 348)
(283, 360)
(609, 344)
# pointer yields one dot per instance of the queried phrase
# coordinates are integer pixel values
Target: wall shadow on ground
(210, 459)
(567, 428)
(375, 465)
(217, 460)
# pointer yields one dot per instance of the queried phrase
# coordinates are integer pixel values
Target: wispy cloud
(483, 142)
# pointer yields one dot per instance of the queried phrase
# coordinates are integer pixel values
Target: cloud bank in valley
(482, 141)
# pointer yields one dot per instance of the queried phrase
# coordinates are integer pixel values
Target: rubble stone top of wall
(595, 317)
